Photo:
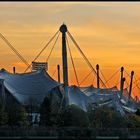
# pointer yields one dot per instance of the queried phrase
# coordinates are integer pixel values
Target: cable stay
(14, 50)
(89, 64)
(119, 81)
(51, 53)
(104, 77)
(93, 79)
(134, 79)
(137, 80)
(127, 76)
(127, 73)
(52, 48)
(54, 73)
(134, 82)
(85, 78)
(72, 62)
(112, 76)
(126, 79)
(128, 86)
(136, 85)
(42, 50)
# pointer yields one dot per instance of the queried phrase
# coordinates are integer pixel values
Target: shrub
(74, 116)
(3, 115)
(16, 115)
(105, 117)
(133, 121)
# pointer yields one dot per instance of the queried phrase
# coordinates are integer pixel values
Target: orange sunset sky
(107, 32)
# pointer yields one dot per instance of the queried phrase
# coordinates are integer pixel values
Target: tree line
(70, 116)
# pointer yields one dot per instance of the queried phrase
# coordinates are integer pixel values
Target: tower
(63, 30)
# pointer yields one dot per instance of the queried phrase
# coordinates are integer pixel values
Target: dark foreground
(68, 133)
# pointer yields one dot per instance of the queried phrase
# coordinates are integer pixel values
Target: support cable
(93, 79)
(136, 85)
(128, 86)
(134, 82)
(72, 62)
(112, 76)
(117, 82)
(137, 80)
(54, 73)
(14, 50)
(85, 58)
(134, 78)
(52, 48)
(42, 50)
(127, 73)
(125, 78)
(85, 78)
(104, 77)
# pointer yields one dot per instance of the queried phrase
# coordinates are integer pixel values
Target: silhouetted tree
(3, 115)
(16, 115)
(105, 117)
(50, 108)
(45, 112)
(72, 115)
(133, 121)
(138, 112)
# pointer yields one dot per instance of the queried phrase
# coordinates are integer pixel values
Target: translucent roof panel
(28, 86)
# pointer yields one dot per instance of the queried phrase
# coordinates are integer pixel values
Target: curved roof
(92, 91)
(77, 97)
(28, 86)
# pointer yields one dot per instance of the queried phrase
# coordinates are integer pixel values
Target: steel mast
(63, 30)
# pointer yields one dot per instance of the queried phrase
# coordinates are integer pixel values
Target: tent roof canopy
(24, 86)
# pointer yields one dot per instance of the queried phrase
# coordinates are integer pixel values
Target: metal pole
(58, 69)
(14, 70)
(63, 30)
(98, 83)
(122, 86)
(122, 69)
(130, 88)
